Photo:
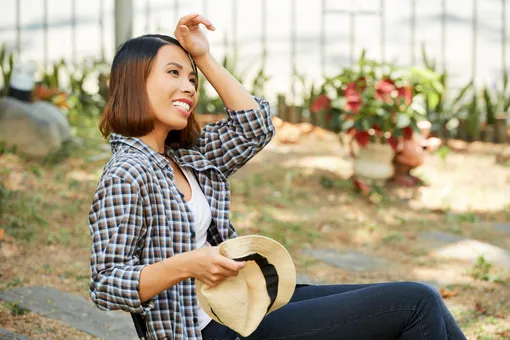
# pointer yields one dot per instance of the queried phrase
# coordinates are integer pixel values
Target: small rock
(35, 129)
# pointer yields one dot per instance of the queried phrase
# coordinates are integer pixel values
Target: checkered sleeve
(233, 141)
(116, 225)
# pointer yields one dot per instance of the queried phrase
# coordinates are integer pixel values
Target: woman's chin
(180, 125)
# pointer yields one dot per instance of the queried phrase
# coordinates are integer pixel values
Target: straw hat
(266, 283)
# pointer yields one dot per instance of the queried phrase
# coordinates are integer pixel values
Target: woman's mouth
(183, 107)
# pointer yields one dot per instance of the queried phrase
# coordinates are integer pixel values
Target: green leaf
(462, 93)
(367, 123)
(397, 133)
(3, 52)
(418, 105)
(347, 124)
(489, 106)
(403, 120)
(358, 125)
(433, 100)
(428, 64)
(338, 103)
(380, 112)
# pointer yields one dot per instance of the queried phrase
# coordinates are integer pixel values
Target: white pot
(374, 161)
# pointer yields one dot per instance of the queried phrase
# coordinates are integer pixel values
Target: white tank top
(201, 211)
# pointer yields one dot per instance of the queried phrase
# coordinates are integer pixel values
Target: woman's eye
(173, 72)
(193, 81)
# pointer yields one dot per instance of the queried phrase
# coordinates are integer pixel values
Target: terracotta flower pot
(374, 161)
(501, 128)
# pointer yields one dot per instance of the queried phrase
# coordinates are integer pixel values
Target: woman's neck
(156, 140)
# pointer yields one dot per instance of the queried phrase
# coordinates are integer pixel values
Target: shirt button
(195, 320)
(193, 234)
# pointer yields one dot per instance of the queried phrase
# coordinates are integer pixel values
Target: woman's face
(171, 88)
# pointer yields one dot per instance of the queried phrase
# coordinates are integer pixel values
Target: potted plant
(497, 104)
(377, 107)
(446, 111)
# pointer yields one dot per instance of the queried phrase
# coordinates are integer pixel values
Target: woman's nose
(188, 87)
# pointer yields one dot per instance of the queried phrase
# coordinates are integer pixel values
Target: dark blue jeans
(396, 310)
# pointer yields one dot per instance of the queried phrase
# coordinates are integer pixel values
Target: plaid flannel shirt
(138, 217)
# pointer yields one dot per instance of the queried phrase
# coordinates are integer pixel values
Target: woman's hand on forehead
(191, 37)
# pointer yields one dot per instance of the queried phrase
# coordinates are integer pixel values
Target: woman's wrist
(179, 264)
(204, 60)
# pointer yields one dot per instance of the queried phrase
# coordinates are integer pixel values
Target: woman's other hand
(212, 268)
(191, 37)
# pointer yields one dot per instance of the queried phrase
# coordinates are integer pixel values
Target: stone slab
(439, 237)
(73, 310)
(504, 227)
(349, 260)
(451, 246)
(8, 335)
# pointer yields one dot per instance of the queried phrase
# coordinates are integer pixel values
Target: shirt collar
(185, 157)
(119, 143)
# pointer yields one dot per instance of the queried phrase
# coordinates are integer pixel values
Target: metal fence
(341, 10)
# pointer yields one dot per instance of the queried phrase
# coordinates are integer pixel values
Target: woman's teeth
(182, 105)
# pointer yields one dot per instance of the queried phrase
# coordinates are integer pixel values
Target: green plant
(77, 101)
(16, 282)
(443, 153)
(442, 111)
(259, 82)
(16, 309)
(496, 99)
(51, 76)
(6, 67)
(473, 117)
(481, 271)
(20, 215)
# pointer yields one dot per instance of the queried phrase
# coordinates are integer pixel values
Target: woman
(162, 207)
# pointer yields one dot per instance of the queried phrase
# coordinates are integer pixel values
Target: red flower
(320, 103)
(362, 137)
(408, 132)
(384, 88)
(406, 92)
(353, 105)
(353, 96)
(393, 143)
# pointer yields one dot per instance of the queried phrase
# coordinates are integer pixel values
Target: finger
(203, 20)
(231, 264)
(193, 28)
(183, 32)
(187, 18)
(223, 274)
